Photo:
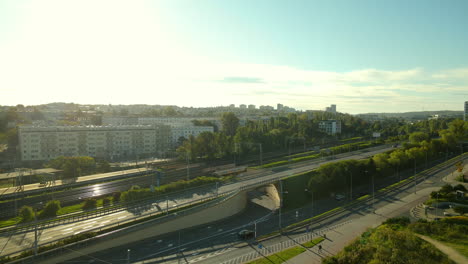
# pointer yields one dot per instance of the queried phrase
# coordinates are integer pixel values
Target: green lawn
(10, 222)
(460, 246)
(296, 195)
(290, 253)
(280, 257)
(313, 242)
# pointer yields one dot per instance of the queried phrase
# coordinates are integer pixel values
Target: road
(218, 243)
(12, 242)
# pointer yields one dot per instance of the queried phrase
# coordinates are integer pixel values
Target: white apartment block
(330, 127)
(109, 142)
(185, 131)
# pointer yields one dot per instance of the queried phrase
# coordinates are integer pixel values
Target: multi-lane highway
(12, 242)
(70, 196)
(218, 242)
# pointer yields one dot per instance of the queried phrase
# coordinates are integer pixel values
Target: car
(339, 197)
(246, 234)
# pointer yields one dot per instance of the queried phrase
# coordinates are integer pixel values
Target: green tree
(90, 204)
(50, 210)
(26, 213)
(418, 137)
(230, 123)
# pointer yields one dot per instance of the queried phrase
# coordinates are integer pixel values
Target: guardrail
(199, 204)
(122, 206)
(228, 194)
(379, 193)
(126, 206)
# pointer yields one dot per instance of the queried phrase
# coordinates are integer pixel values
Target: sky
(362, 55)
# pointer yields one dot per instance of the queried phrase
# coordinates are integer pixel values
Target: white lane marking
(170, 245)
(122, 217)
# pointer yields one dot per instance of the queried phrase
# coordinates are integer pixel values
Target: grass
(313, 242)
(283, 256)
(70, 209)
(280, 257)
(296, 196)
(10, 222)
(63, 211)
(460, 246)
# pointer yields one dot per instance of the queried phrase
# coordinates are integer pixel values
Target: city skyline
(373, 57)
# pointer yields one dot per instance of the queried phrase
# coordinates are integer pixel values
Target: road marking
(170, 245)
(122, 217)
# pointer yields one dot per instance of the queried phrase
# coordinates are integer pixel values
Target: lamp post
(188, 163)
(415, 182)
(128, 256)
(35, 232)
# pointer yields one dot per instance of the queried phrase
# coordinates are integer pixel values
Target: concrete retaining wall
(272, 192)
(217, 212)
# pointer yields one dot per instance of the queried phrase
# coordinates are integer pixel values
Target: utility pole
(35, 232)
(188, 163)
(261, 154)
(373, 194)
(414, 174)
(281, 204)
(351, 193)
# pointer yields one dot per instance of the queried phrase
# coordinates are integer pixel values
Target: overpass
(235, 191)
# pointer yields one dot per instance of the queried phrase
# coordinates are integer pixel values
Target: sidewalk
(341, 236)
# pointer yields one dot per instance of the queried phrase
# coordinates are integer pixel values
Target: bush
(459, 187)
(50, 210)
(89, 204)
(461, 210)
(26, 213)
(106, 202)
(116, 197)
(403, 221)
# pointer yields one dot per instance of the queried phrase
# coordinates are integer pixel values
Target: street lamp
(415, 182)
(281, 204)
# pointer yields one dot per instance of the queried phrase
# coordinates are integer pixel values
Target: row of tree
(73, 167)
(337, 175)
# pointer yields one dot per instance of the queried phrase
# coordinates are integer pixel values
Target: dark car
(246, 234)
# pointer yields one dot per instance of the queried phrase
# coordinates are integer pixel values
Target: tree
(50, 210)
(230, 123)
(418, 137)
(116, 197)
(89, 204)
(26, 213)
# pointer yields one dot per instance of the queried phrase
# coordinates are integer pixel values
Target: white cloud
(118, 52)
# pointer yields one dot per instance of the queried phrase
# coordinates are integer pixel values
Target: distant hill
(413, 115)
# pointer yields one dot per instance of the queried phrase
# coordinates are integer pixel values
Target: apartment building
(109, 142)
(178, 131)
(330, 127)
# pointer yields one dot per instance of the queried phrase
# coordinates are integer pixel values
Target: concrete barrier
(217, 212)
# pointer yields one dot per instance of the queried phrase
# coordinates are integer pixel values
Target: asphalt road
(71, 196)
(218, 242)
(12, 242)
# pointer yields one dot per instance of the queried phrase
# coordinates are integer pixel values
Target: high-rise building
(330, 127)
(279, 107)
(331, 109)
(251, 106)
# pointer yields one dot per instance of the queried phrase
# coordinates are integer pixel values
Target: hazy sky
(364, 56)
